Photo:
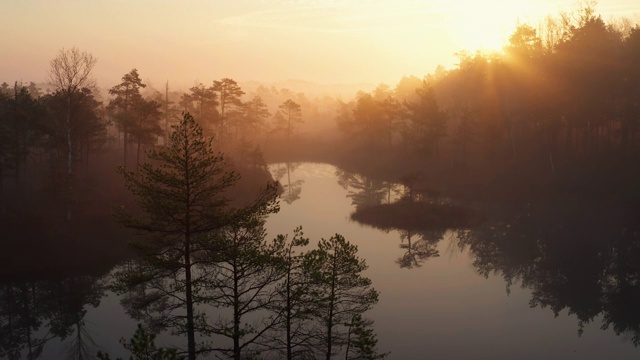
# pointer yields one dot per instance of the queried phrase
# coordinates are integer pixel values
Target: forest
(557, 107)
(557, 110)
(180, 185)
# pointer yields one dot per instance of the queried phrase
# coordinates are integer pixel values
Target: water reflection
(419, 214)
(52, 276)
(572, 255)
(418, 246)
(33, 312)
(364, 191)
(291, 190)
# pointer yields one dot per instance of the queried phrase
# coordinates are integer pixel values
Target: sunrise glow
(329, 41)
(319, 179)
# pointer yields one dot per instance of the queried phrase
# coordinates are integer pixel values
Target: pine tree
(241, 271)
(122, 107)
(362, 343)
(340, 290)
(229, 94)
(180, 192)
(292, 336)
(288, 116)
(143, 347)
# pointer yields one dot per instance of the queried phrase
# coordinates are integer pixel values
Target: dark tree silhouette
(181, 192)
(229, 94)
(202, 102)
(293, 335)
(122, 107)
(340, 290)
(288, 116)
(240, 271)
(182, 198)
(70, 72)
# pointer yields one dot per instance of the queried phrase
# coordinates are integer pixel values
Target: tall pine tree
(181, 193)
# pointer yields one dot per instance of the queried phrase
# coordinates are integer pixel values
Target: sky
(321, 41)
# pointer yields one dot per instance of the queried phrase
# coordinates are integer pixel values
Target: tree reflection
(33, 312)
(52, 275)
(418, 214)
(20, 319)
(419, 246)
(364, 191)
(621, 284)
(573, 256)
(69, 298)
(291, 190)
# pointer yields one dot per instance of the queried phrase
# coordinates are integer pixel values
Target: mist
(298, 180)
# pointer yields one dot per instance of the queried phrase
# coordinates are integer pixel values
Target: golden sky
(324, 41)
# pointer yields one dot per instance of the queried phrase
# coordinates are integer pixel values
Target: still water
(443, 309)
(431, 307)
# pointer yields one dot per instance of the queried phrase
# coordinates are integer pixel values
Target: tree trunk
(236, 315)
(165, 135)
(222, 100)
(288, 323)
(69, 141)
(16, 134)
(69, 156)
(289, 128)
(289, 180)
(24, 145)
(27, 305)
(79, 345)
(138, 156)
(2, 208)
(346, 353)
(330, 318)
(124, 142)
(191, 339)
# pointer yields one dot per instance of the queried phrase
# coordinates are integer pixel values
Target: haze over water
(466, 174)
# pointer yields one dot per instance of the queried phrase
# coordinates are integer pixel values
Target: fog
(326, 42)
(319, 179)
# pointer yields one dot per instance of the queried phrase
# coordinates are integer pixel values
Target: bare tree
(70, 72)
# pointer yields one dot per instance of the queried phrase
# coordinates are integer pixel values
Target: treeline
(49, 135)
(55, 129)
(557, 104)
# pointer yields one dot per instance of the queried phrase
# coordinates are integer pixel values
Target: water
(438, 308)
(444, 309)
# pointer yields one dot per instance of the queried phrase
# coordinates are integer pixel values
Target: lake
(444, 309)
(430, 307)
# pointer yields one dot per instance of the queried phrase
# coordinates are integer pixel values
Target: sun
(486, 25)
(485, 37)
